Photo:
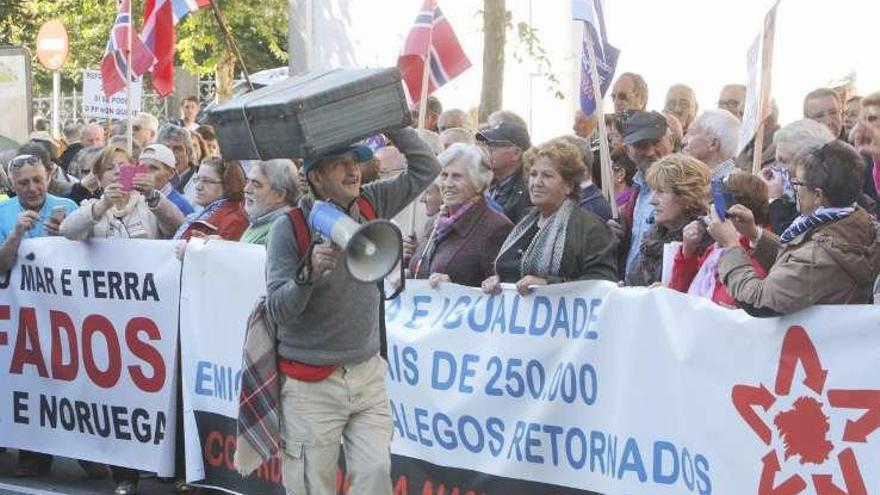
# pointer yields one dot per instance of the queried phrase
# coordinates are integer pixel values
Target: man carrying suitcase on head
(333, 386)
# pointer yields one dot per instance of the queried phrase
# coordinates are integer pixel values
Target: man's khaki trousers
(350, 405)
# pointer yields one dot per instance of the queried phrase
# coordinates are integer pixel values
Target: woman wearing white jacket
(142, 213)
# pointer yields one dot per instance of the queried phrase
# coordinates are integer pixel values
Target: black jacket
(513, 196)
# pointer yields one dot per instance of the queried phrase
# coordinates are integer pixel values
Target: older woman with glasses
(467, 234)
(829, 254)
(556, 241)
(140, 212)
(219, 189)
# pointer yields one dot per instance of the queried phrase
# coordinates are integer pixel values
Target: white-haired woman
(467, 233)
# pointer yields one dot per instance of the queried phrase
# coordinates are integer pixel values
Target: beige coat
(835, 263)
(135, 221)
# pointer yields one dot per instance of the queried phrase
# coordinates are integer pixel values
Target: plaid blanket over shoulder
(259, 428)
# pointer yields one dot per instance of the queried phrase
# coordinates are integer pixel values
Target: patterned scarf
(543, 257)
(806, 223)
(445, 221)
(443, 224)
(205, 214)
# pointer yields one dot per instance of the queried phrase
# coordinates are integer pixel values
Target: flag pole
(423, 110)
(604, 151)
(766, 80)
(129, 126)
(230, 42)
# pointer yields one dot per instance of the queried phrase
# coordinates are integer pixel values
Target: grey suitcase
(310, 114)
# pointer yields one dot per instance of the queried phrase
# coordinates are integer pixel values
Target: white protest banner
(96, 104)
(577, 388)
(591, 387)
(221, 283)
(88, 340)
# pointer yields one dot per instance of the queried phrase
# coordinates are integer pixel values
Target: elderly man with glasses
(823, 105)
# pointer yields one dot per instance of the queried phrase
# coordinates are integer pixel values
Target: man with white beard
(272, 189)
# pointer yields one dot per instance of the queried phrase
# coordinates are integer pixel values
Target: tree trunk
(225, 76)
(494, 37)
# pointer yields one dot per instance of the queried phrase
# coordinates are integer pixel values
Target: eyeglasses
(23, 160)
(199, 180)
(497, 144)
(827, 113)
(728, 103)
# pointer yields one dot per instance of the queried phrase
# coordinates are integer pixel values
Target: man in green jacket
(272, 189)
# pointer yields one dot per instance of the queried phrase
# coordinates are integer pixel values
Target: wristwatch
(153, 200)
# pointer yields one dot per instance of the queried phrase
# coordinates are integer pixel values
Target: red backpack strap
(368, 211)
(301, 230)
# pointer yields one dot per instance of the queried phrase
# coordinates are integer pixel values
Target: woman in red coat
(695, 272)
(220, 191)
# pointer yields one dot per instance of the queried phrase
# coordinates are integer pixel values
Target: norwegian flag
(160, 17)
(432, 39)
(114, 65)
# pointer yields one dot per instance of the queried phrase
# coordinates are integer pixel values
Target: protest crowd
(501, 209)
(490, 207)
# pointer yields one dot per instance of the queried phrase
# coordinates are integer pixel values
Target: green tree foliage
(259, 27)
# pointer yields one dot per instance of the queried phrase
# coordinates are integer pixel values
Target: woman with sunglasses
(829, 255)
(220, 191)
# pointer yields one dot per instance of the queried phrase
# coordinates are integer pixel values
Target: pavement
(66, 477)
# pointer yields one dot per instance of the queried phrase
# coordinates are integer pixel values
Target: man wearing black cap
(506, 144)
(333, 388)
(647, 140)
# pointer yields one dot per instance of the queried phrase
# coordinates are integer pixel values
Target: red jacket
(229, 222)
(685, 269)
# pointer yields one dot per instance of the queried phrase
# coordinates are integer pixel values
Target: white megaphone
(371, 250)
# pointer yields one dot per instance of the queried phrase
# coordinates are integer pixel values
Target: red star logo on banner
(804, 427)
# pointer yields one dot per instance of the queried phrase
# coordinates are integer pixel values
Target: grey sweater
(336, 319)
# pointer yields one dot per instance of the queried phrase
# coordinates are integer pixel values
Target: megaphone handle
(398, 290)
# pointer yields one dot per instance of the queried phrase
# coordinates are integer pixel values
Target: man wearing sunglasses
(505, 144)
(32, 213)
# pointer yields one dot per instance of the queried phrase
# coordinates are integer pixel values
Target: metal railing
(71, 104)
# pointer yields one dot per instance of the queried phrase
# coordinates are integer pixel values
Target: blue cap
(361, 154)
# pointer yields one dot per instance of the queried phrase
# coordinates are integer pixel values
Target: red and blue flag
(114, 64)
(431, 40)
(160, 18)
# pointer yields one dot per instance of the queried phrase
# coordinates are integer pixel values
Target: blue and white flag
(590, 11)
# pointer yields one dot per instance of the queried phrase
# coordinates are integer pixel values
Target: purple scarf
(445, 221)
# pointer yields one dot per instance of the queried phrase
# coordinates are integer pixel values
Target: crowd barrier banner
(221, 283)
(88, 341)
(588, 386)
(577, 388)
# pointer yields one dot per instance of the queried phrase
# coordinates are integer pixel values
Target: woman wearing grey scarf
(557, 241)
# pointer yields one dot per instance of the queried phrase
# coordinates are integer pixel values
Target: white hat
(160, 153)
